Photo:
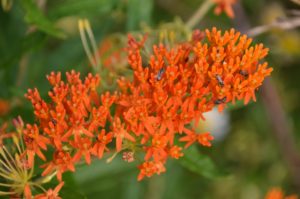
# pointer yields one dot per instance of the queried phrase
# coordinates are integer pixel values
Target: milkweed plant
(147, 119)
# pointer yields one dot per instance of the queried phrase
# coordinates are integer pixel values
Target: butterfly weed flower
(151, 114)
(70, 124)
(178, 83)
(15, 171)
(51, 193)
(17, 175)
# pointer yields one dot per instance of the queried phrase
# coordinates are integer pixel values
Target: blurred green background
(40, 36)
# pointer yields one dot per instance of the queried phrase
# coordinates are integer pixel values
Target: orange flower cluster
(277, 193)
(177, 85)
(112, 54)
(73, 123)
(17, 177)
(4, 107)
(49, 194)
(171, 87)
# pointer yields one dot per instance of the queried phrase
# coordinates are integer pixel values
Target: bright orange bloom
(55, 132)
(103, 139)
(175, 152)
(51, 194)
(83, 147)
(191, 137)
(150, 168)
(158, 149)
(146, 169)
(120, 133)
(4, 107)
(27, 192)
(277, 193)
(54, 78)
(71, 121)
(3, 134)
(205, 138)
(61, 162)
(77, 128)
(178, 84)
(172, 87)
(225, 6)
(34, 142)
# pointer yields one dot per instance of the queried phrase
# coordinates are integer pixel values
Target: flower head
(179, 83)
(277, 193)
(15, 171)
(171, 87)
(51, 193)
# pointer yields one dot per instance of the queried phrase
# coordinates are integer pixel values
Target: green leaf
(84, 8)
(238, 105)
(71, 190)
(68, 192)
(199, 163)
(35, 16)
(139, 11)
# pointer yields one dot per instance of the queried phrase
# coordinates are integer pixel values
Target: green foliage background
(40, 36)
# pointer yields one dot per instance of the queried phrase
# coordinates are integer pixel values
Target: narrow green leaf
(35, 16)
(199, 163)
(139, 11)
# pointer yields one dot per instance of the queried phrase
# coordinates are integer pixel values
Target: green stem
(45, 179)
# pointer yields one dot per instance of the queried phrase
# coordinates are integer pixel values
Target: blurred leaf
(31, 42)
(133, 189)
(100, 169)
(101, 178)
(238, 104)
(138, 12)
(35, 17)
(17, 92)
(199, 163)
(71, 190)
(68, 192)
(6, 5)
(86, 7)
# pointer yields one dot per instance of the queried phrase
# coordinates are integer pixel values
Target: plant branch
(199, 14)
(281, 24)
(282, 130)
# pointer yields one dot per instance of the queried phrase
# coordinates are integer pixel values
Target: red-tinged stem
(282, 130)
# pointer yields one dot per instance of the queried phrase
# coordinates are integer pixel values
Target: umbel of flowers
(150, 114)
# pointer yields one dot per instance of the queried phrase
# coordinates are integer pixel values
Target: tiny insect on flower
(160, 74)
(220, 101)
(220, 81)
